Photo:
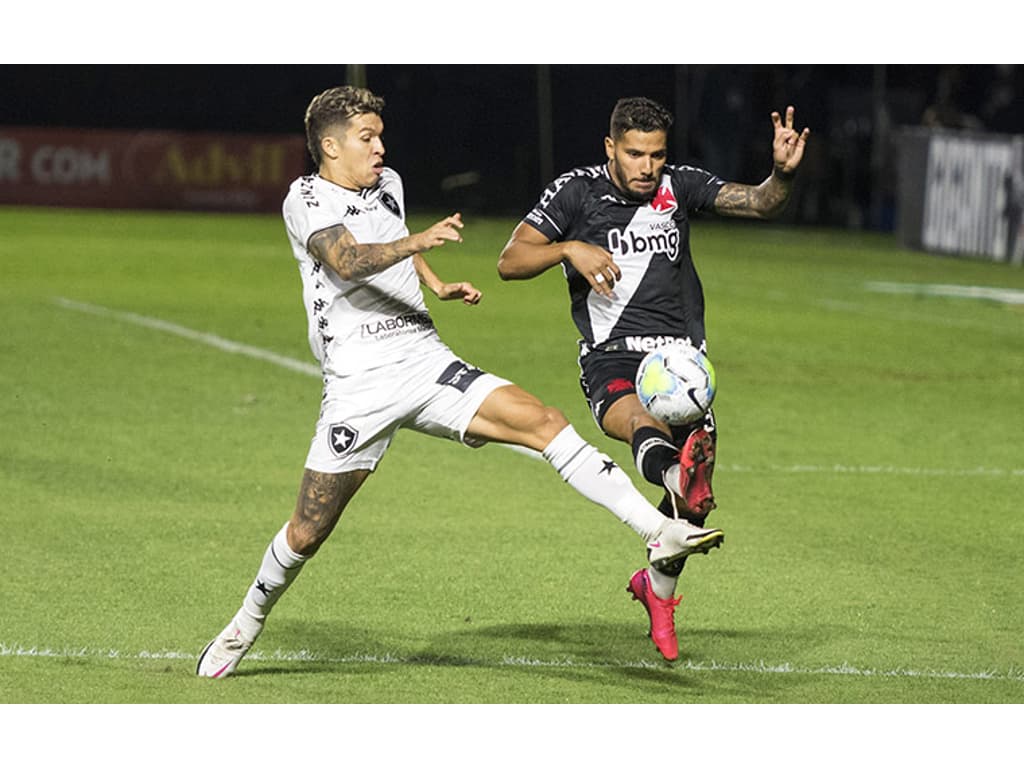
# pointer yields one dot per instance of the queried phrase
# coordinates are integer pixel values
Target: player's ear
(329, 147)
(609, 147)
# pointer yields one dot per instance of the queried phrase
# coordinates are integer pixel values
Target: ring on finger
(598, 278)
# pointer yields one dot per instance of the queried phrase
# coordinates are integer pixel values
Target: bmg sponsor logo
(662, 240)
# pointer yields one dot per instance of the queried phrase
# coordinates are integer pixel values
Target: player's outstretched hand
(465, 291)
(444, 231)
(788, 145)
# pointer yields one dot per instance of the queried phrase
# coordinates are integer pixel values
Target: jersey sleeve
(699, 188)
(558, 207)
(392, 182)
(305, 213)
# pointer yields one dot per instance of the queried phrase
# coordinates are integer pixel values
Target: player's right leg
(350, 439)
(321, 501)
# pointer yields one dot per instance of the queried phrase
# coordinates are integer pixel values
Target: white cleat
(678, 539)
(223, 653)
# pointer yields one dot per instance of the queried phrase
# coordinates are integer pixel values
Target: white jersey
(356, 325)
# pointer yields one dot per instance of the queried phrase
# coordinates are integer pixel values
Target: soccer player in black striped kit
(620, 231)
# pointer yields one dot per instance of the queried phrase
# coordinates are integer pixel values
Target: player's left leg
(512, 415)
(495, 410)
(509, 414)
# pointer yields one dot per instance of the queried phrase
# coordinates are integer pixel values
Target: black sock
(653, 453)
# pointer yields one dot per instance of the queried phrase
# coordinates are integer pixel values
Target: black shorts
(607, 377)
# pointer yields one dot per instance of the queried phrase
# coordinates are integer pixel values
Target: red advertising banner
(148, 169)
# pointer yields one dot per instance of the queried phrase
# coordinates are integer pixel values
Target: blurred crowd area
(488, 138)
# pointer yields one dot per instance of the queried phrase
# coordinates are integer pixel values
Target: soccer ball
(676, 384)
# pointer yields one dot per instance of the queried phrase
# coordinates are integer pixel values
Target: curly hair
(333, 109)
(641, 114)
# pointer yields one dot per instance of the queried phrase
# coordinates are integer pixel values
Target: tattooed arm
(769, 198)
(765, 201)
(338, 249)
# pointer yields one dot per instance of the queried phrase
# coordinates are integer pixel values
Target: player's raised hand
(444, 231)
(788, 145)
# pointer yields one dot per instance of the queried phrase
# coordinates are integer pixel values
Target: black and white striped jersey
(659, 293)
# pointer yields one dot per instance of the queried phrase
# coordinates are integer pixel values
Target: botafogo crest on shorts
(385, 367)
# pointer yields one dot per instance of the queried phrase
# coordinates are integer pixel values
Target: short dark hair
(334, 108)
(639, 113)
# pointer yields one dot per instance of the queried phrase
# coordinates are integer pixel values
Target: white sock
(279, 568)
(663, 584)
(601, 480)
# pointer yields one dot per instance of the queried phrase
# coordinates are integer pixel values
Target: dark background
(478, 138)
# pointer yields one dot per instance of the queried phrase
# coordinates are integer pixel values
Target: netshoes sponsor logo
(383, 328)
(647, 343)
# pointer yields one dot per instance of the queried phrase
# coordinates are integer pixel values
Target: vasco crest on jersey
(665, 200)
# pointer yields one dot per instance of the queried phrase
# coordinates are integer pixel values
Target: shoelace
(235, 642)
(669, 603)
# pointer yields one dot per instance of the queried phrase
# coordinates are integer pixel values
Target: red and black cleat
(696, 465)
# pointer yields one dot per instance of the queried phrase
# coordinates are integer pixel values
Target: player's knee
(551, 421)
(305, 538)
(640, 419)
(302, 540)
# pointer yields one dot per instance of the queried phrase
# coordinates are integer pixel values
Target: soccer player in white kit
(385, 367)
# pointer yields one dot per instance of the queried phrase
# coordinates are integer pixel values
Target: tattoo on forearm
(734, 198)
(336, 248)
(765, 200)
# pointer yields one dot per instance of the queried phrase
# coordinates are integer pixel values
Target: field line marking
(234, 347)
(760, 667)
(846, 469)
(210, 339)
(985, 293)
(944, 321)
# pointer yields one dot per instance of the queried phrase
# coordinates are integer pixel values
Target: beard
(622, 184)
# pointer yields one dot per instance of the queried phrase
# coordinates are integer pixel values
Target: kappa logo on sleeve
(459, 375)
(341, 438)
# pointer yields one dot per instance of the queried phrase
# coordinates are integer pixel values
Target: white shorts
(435, 393)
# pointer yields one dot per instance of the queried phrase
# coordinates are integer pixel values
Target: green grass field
(870, 476)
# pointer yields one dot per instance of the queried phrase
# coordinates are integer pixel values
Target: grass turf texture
(869, 477)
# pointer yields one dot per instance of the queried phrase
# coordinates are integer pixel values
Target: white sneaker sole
(698, 545)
